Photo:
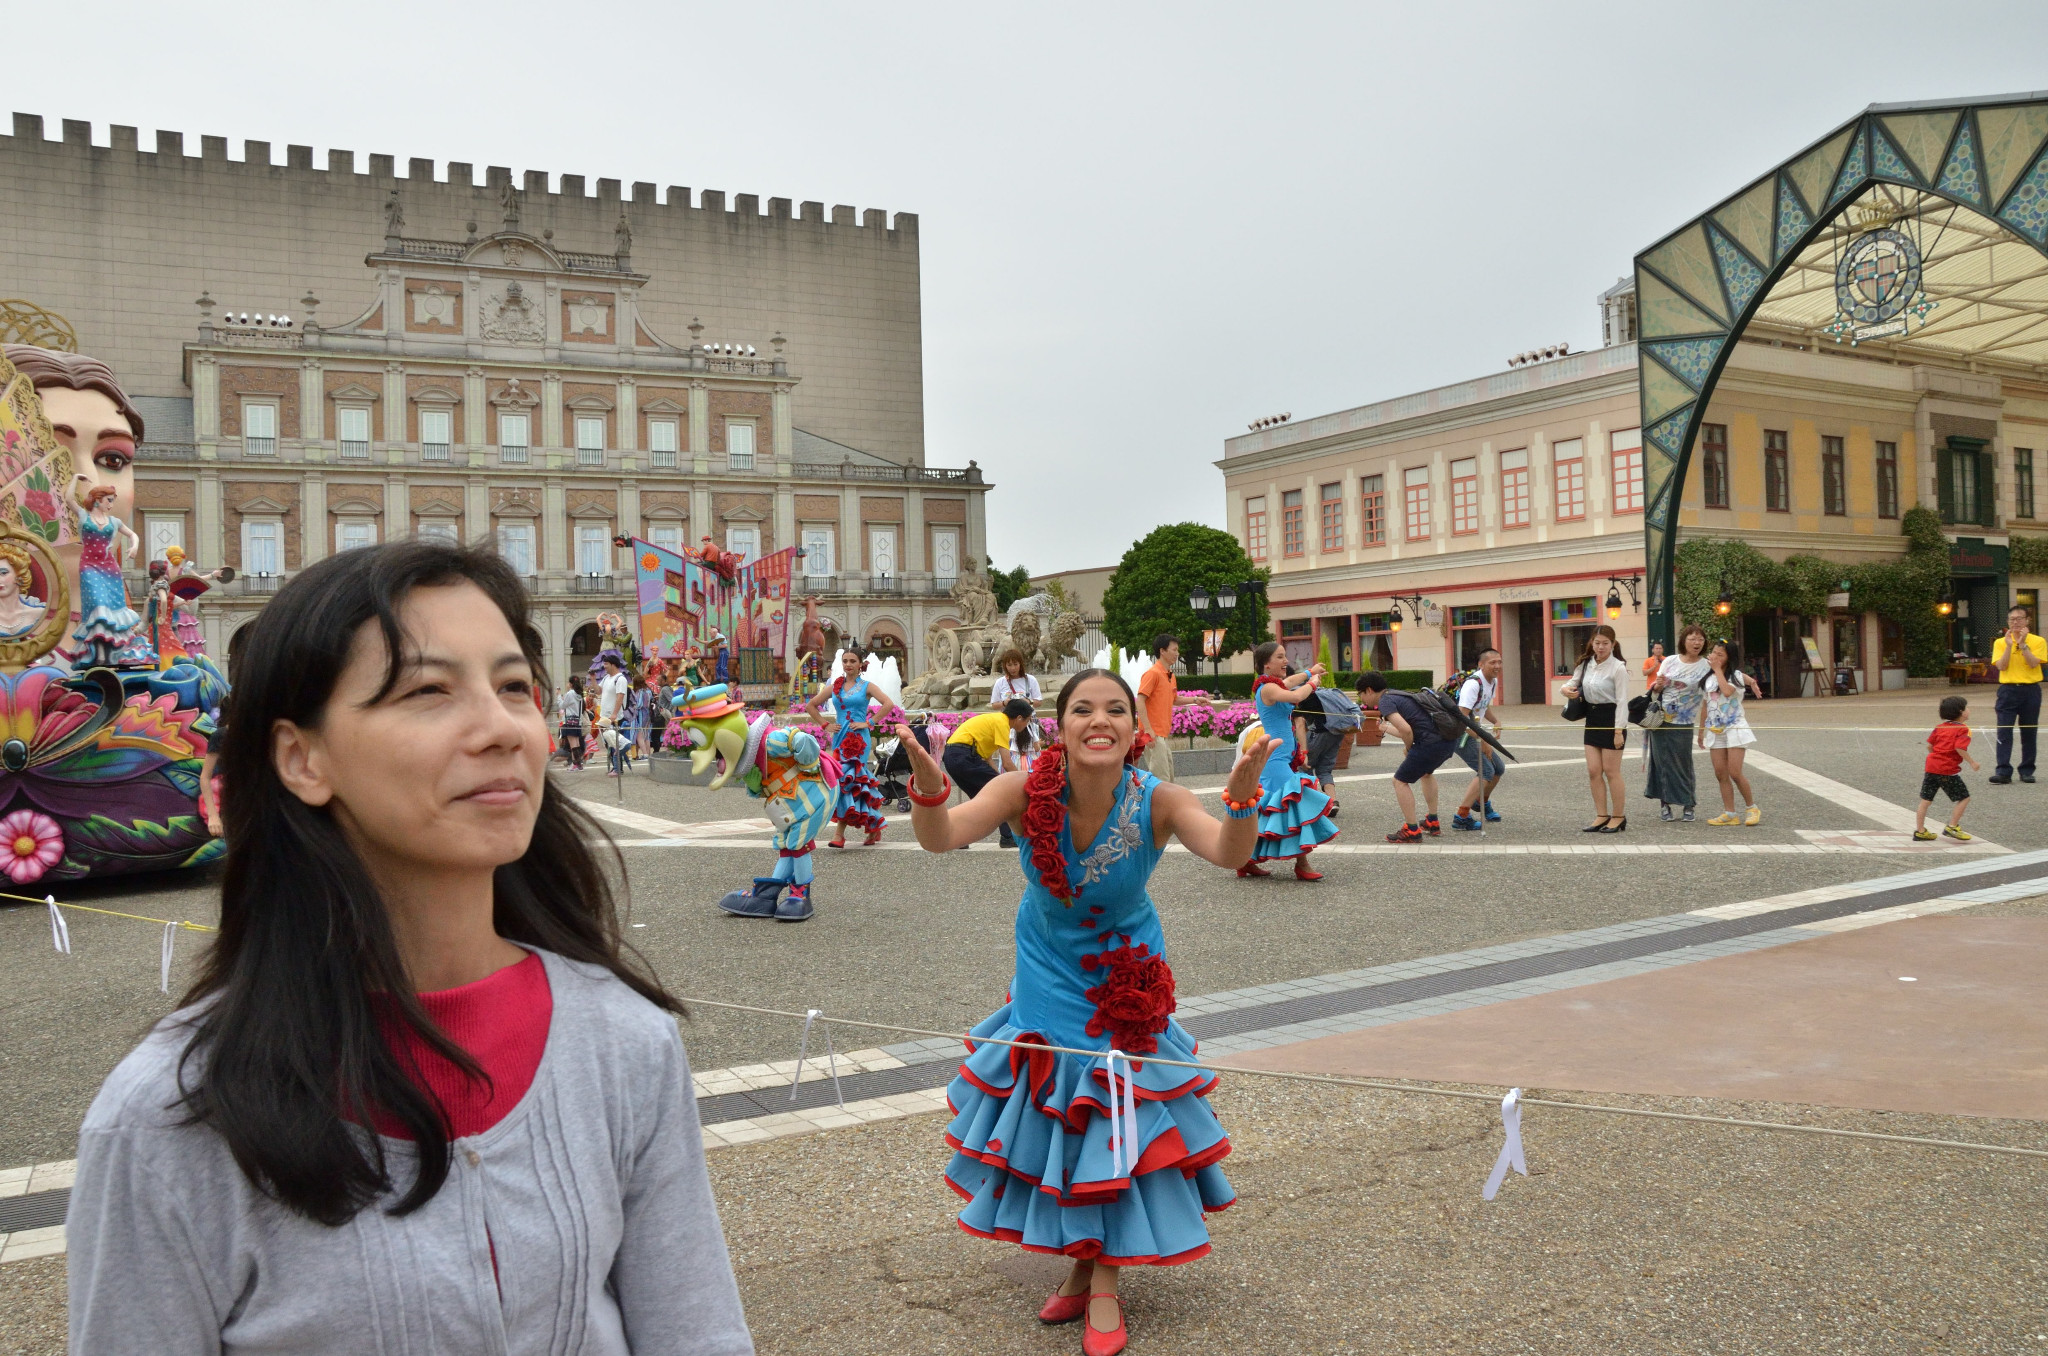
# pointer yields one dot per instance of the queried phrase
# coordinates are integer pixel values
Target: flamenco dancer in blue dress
(1294, 814)
(859, 802)
(1036, 1154)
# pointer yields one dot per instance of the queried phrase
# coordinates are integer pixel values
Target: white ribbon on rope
(1123, 1115)
(164, 974)
(831, 1057)
(60, 931)
(1511, 1150)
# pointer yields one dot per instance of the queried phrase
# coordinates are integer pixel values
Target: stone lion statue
(1059, 643)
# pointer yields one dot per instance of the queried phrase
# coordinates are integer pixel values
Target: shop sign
(1526, 594)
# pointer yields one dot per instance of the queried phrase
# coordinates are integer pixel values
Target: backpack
(1339, 711)
(1452, 686)
(1442, 711)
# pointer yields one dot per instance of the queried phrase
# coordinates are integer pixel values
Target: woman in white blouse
(1601, 680)
(1012, 681)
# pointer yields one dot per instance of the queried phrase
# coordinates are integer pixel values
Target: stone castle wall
(121, 240)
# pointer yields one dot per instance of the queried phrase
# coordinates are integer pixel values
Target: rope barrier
(1378, 1085)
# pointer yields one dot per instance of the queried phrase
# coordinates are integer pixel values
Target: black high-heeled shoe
(1601, 827)
(1615, 825)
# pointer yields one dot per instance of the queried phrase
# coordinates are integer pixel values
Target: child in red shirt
(1947, 747)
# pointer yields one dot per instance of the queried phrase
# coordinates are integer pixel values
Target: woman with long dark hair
(420, 1096)
(1601, 681)
(1033, 1156)
(1725, 733)
(1678, 679)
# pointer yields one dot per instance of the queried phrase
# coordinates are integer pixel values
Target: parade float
(106, 716)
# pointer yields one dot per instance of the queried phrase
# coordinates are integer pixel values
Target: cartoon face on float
(102, 443)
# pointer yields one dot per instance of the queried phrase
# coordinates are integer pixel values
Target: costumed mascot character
(785, 768)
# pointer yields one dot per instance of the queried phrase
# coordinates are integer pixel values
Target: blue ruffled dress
(1294, 814)
(1031, 1128)
(859, 802)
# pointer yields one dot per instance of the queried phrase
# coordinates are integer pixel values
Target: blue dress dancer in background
(859, 801)
(1037, 1154)
(1294, 814)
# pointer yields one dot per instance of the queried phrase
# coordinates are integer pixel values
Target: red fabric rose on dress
(1045, 814)
(1134, 1000)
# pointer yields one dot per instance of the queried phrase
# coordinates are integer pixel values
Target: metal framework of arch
(1698, 286)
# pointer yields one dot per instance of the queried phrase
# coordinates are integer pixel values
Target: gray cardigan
(592, 1193)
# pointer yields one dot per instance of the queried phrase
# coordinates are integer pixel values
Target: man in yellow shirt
(974, 748)
(2018, 656)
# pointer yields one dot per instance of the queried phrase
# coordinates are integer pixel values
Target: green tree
(1009, 585)
(1148, 593)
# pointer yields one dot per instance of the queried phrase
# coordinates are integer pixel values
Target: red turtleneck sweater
(502, 1021)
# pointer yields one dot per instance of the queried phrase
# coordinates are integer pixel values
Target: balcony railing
(436, 452)
(590, 456)
(259, 447)
(259, 583)
(594, 583)
(355, 449)
(915, 475)
(166, 451)
(514, 455)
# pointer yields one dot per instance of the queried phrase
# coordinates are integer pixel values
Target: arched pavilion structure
(1912, 233)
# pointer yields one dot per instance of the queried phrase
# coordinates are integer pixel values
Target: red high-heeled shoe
(1063, 1308)
(1095, 1342)
(1302, 872)
(1251, 869)
(835, 842)
(874, 837)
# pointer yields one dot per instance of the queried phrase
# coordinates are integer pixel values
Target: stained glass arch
(1700, 285)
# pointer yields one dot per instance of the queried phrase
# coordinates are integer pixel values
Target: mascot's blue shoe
(795, 906)
(761, 901)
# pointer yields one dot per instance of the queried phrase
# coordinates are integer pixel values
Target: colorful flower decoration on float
(30, 844)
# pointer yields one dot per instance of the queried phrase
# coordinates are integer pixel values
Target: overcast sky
(1143, 226)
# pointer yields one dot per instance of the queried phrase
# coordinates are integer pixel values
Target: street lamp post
(1219, 610)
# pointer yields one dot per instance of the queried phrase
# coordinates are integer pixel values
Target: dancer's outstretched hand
(1244, 773)
(925, 773)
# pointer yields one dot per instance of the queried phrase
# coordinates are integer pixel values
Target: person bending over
(1425, 752)
(980, 748)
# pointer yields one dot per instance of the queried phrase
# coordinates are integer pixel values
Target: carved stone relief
(511, 317)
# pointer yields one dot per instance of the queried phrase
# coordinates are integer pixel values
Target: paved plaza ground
(1819, 968)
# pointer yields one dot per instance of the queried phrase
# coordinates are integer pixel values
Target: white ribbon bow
(164, 974)
(60, 931)
(1123, 1115)
(1511, 1150)
(831, 1057)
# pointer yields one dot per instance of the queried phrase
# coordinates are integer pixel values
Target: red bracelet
(934, 801)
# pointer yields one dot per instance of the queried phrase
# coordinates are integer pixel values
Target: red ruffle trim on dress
(1089, 1250)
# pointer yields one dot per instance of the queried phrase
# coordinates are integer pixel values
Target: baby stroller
(892, 765)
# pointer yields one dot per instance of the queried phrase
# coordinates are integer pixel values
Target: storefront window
(1296, 639)
(1571, 627)
(1471, 632)
(1376, 639)
(1848, 633)
(1892, 641)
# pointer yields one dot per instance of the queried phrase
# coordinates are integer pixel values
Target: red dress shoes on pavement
(1250, 869)
(1095, 1342)
(1063, 1308)
(1302, 871)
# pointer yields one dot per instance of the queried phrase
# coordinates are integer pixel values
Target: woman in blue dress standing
(1036, 1155)
(859, 801)
(1294, 813)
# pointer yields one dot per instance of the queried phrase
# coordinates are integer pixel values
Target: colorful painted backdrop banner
(35, 469)
(684, 601)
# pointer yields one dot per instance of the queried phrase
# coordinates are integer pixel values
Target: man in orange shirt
(1158, 694)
